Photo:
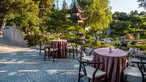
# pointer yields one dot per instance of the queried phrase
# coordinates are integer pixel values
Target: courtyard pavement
(20, 64)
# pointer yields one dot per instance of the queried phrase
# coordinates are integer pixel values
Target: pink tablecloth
(114, 62)
(61, 45)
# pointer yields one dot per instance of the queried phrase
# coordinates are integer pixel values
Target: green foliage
(57, 21)
(124, 23)
(45, 7)
(100, 14)
(97, 44)
(64, 5)
(134, 13)
(142, 3)
(36, 39)
(122, 16)
(84, 3)
(105, 45)
(24, 13)
(141, 46)
(120, 27)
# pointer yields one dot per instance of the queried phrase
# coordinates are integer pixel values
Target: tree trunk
(3, 26)
(3, 23)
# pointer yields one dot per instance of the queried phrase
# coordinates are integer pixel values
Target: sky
(118, 5)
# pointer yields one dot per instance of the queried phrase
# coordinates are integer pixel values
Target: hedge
(141, 46)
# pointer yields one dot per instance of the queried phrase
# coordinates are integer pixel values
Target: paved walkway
(19, 64)
(7, 46)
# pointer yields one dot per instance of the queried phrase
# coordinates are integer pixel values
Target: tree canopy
(142, 3)
(124, 23)
(99, 14)
(26, 14)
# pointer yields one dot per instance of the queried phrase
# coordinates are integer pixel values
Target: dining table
(114, 62)
(61, 45)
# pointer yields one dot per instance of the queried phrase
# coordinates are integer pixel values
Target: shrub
(97, 44)
(35, 39)
(105, 45)
(141, 46)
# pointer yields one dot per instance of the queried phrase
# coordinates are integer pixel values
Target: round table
(114, 62)
(61, 45)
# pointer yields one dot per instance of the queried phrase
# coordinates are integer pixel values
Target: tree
(138, 22)
(134, 13)
(142, 13)
(23, 12)
(120, 16)
(58, 22)
(45, 7)
(84, 3)
(123, 23)
(64, 5)
(142, 3)
(100, 14)
(120, 27)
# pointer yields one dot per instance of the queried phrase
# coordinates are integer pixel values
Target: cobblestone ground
(19, 64)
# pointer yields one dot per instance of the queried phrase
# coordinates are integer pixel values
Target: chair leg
(125, 78)
(79, 78)
(105, 78)
(73, 55)
(53, 58)
(92, 80)
(143, 79)
(40, 51)
(122, 77)
(44, 57)
(79, 73)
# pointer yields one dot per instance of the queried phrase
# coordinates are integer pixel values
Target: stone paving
(19, 64)
(28, 66)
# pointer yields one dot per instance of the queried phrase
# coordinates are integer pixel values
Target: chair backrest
(52, 45)
(83, 64)
(84, 53)
(142, 68)
(132, 53)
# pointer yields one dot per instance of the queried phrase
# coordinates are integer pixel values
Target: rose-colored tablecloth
(114, 62)
(61, 45)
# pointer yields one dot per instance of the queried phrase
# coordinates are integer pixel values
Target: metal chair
(71, 49)
(50, 50)
(86, 70)
(85, 56)
(131, 56)
(142, 68)
(134, 70)
(41, 47)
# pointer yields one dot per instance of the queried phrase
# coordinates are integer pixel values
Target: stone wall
(14, 35)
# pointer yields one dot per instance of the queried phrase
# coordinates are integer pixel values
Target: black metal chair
(87, 56)
(86, 69)
(71, 49)
(135, 68)
(50, 50)
(41, 47)
(142, 68)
